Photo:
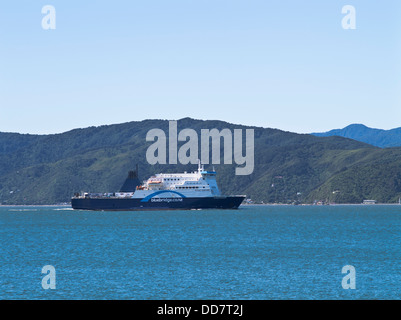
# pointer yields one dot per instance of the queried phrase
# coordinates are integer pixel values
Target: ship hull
(132, 204)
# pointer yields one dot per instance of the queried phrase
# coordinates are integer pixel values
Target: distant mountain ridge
(376, 137)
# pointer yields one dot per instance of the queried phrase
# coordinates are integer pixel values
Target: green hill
(48, 169)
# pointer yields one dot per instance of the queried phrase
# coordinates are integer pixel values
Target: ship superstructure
(200, 183)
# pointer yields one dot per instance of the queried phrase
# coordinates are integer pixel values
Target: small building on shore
(369, 202)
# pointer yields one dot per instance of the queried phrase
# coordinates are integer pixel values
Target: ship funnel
(131, 182)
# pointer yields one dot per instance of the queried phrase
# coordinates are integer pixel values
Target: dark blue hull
(113, 204)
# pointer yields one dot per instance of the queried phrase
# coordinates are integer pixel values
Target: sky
(280, 64)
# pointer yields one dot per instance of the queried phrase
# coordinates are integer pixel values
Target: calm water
(256, 252)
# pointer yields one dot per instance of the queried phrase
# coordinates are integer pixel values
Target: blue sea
(255, 252)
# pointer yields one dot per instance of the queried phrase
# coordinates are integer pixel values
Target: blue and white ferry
(163, 191)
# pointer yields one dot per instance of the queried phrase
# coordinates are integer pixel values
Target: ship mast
(200, 166)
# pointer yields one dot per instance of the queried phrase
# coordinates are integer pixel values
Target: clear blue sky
(281, 64)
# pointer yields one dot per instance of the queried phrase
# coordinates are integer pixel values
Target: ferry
(163, 191)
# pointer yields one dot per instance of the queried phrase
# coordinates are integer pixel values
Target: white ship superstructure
(200, 183)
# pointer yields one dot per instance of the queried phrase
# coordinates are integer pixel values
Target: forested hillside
(289, 167)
